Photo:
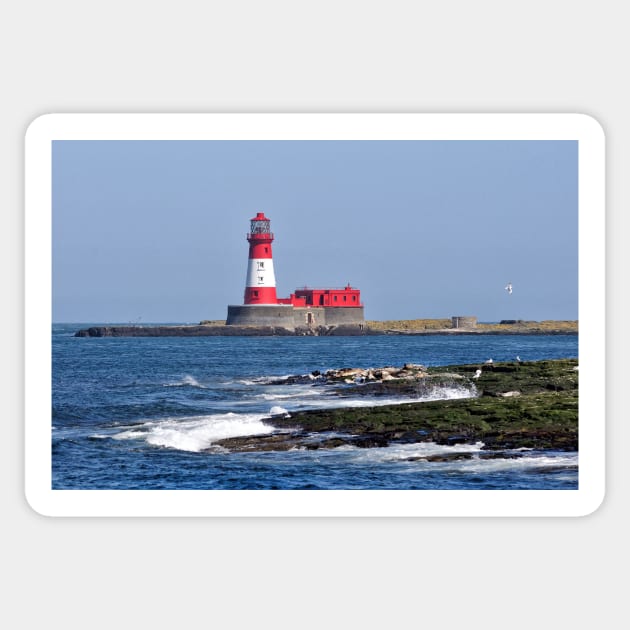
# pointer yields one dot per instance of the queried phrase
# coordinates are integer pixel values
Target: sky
(154, 231)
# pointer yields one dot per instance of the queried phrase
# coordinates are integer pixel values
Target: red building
(346, 297)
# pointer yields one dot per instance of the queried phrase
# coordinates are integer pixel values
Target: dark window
(354, 298)
(335, 298)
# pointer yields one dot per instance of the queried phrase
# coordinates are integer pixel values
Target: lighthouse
(305, 311)
(260, 284)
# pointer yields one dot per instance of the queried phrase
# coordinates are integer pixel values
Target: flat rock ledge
(217, 331)
(346, 330)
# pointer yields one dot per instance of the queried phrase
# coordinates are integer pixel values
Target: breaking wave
(407, 452)
(279, 411)
(473, 459)
(438, 393)
(264, 380)
(187, 381)
(198, 433)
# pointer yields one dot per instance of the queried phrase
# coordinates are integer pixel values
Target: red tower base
(261, 295)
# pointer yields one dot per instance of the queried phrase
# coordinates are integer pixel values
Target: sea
(146, 413)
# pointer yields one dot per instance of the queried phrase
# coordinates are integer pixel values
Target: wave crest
(187, 381)
(197, 434)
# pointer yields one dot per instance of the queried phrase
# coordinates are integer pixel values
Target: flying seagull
(509, 288)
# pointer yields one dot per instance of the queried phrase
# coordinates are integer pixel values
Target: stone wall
(279, 315)
(290, 317)
(327, 316)
(461, 321)
(309, 316)
(340, 315)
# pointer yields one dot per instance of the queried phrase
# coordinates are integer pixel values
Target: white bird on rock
(477, 374)
(489, 362)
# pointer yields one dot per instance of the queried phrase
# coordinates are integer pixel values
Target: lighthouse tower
(260, 285)
(305, 311)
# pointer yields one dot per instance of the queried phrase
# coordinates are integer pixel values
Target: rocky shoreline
(529, 405)
(202, 330)
(182, 331)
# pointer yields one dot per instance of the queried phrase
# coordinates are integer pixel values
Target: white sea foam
(197, 433)
(402, 452)
(279, 411)
(567, 460)
(442, 393)
(298, 397)
(187, 381)
(296, 393)
(449, 393)
(415, 453)
(262, 380)
(130, 434)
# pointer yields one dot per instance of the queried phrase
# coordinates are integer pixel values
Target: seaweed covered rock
(519, 405)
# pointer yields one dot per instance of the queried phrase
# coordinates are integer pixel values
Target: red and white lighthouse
(260, 285)
(306, 310)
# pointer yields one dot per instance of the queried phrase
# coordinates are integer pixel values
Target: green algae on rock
(518, 405)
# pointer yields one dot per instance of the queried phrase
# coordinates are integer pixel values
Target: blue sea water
(145, 413)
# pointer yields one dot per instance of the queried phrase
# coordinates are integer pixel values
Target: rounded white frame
(38, 299)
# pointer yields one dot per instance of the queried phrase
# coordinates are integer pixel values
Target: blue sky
(154, 231)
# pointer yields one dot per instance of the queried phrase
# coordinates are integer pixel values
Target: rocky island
(210, 328)
(514, 405)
